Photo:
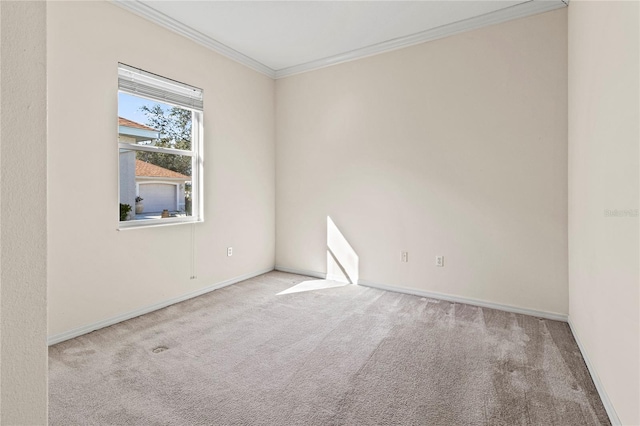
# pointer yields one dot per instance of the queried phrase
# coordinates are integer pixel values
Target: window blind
(142, 83)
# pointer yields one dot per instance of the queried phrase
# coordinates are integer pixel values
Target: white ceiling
(284, 37)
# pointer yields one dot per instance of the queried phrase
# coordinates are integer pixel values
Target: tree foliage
(174, 125)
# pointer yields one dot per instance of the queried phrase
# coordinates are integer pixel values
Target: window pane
(145, 122)
(160, 168)
(155, 185)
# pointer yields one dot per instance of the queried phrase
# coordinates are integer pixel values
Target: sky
(129, 107)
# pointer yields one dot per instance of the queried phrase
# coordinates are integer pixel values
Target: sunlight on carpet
(313, 285)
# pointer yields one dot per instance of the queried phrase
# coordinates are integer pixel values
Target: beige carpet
(347, 355)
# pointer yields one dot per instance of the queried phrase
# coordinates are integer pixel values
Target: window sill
(156, 223)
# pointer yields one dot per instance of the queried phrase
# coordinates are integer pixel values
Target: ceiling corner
(138, 8)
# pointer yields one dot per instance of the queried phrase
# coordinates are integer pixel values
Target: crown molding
(150, 14)
(521, 10)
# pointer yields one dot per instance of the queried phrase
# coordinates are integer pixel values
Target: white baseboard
(440, 296)
(321, 275)
(79, 331)
(338, 278)
(608, 406)
(467, 301)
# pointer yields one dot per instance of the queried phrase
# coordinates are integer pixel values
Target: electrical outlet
(405, 256)
(229, 251)
(439, 260)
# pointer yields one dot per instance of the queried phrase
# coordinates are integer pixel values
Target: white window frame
(163, 90)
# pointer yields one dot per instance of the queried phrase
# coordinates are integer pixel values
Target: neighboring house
(132, 132)
(159, 187)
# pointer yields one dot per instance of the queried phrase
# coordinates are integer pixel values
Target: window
(160, 150)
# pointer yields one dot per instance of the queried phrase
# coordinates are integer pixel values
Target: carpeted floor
(347, 355)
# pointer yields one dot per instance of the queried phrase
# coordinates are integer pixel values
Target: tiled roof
(129, 123)
(151, 170)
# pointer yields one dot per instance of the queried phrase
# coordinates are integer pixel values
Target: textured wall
(456, 147)
(97, 272)
(604, 282)
(23, 223)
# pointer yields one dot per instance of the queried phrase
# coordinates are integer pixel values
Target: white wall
(603, 175)
(95, 271)
(456, 147)
(23, 214)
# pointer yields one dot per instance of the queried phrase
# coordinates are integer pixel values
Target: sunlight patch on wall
(342, 260)
(342, 264)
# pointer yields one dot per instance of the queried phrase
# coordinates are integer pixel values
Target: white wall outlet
(405, 256)
(439, 260)
(229, 251)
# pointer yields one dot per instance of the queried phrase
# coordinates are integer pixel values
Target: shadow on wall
(342, 264)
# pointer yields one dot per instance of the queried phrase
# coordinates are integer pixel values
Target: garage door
(158, 196)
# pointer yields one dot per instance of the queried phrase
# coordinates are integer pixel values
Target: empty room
(320, 212)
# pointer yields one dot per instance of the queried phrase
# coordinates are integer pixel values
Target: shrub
(124, 211)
